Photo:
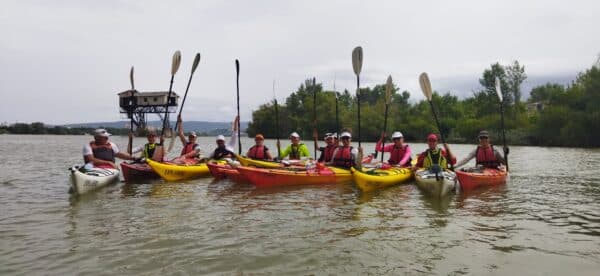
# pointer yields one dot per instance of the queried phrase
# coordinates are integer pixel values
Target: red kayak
(221, 171)
(137, 171)
(265, 177)
(474, 177)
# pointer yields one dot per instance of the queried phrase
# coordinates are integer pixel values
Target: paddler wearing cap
(259, 151)
(149, 149)
(296, 150)
(328, 149)
(345, 156)
(191, 153)
(399, 151)
(434, 155)
(226, 150)
(101, 152)
(485, 154)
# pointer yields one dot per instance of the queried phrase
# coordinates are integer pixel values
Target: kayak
(137, 171)
(368, 180)
(245, 161)
(472, 178)
(440, 187)
(175, 172)
(269, 177)
(87, 180)
(222, 171)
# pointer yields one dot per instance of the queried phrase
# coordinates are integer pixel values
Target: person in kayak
(485, 154)
(149, 149)
(296, 150)
(399, 152)
(328, 149)
(223, 150)
(191, 153)
(345, 156)
(435, 156)
(101, 152)
(259, 151)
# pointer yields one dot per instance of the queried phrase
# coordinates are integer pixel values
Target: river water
(544, 221)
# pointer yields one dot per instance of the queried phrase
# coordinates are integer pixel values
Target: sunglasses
(483, 137)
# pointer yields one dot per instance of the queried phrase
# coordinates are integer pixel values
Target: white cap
(397, 134)
(346, 134)
(220, 138)
(328, 135)
(192, 133)
(295, 134)
(101, 132)
(334, 135)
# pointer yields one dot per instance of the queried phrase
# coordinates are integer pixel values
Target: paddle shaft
(358, 101)
(237, 82)
(314, 87)
(337, 117)
(503, 133)
(384, 131)
(441, 133)
(162, 132)
(277, 128)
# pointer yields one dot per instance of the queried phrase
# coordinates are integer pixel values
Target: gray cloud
(64, 61)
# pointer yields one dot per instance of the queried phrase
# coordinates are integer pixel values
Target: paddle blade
(498, 90)
(237, 67)
(196, 62)
(425, 85)
(176, 62)
(357, 60)
(131, 78)
(388, 90)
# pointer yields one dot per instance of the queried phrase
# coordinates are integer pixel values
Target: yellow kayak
(173, 172)
(372, 179)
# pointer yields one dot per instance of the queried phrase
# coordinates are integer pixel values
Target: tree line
(41, 128)
(553, 115)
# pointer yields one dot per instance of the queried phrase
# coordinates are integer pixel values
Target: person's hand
(506, 150)
(235, 123)
(382, 136)
(162, 139)
(114, 165)
(278, 144)
(130, 135)
(360, 150)
(315, 134)
(179, 118)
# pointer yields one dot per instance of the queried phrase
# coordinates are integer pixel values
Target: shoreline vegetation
(553, 115)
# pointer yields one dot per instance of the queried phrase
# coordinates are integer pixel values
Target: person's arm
(180, 131)
(124, 156)
(304, 151)
(420, 160)
(466, 159)
(449, 156)
(234, 135)
(331, 161)
(285, 152)
(407, 155)
(137, 150)
(499, 157)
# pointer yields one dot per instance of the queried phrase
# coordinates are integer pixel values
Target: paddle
(357, 60)
(174, 67)
(388, 100)
(130, 144)
(499, 92)
(237, 81)
(276, 122)
(194, 66)
(314, 87)
(337, 114)
(426, 88)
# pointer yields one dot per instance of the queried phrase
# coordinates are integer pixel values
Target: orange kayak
(222, 171)
(474, 177)
(266, 177)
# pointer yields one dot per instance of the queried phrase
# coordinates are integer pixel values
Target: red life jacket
(328, 153)
(258, 152)
(103, 152)
(486, 157)
(397, 154)
(189, 147)
(343, 157)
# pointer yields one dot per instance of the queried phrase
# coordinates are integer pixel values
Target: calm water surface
(545, 221)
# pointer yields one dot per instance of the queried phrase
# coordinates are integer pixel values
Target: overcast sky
(65, 61)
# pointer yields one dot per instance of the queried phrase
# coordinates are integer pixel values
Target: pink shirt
(390, 147)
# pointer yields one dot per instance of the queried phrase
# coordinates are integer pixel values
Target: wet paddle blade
(498, 89)
(176, 62)
(196, 62)
(425, 85)
(357, 60)
(388, 90)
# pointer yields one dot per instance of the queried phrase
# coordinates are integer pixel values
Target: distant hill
(201, 127)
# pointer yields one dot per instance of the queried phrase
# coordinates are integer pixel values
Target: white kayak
(439, 186)
(86, 180)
